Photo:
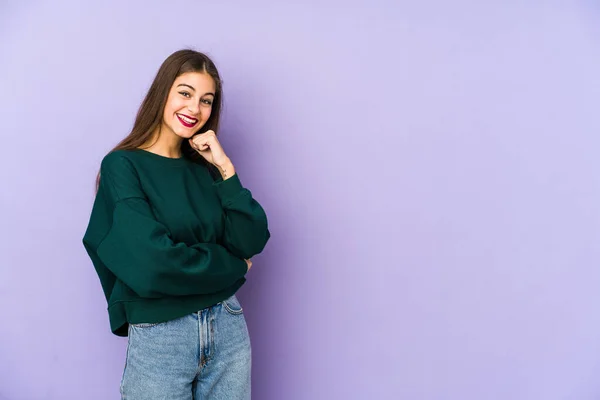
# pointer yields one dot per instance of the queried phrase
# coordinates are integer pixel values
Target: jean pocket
(232, 306)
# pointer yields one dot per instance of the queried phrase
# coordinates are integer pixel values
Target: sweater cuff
(243, 267)
(229, 188)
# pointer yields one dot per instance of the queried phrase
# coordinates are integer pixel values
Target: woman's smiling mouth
(187, 121)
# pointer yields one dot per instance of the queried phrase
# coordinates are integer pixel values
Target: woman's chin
(185, 133)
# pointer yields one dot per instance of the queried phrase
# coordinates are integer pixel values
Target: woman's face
(189, 104)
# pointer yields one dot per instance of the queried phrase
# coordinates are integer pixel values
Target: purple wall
(430, 170)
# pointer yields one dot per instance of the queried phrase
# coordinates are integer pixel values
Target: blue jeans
(205, 355)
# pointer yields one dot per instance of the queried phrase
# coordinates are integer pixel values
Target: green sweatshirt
(166, 239)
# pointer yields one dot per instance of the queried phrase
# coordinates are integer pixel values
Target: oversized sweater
(167, 239)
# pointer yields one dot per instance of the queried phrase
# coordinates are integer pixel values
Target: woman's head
(185, 98)
(189, 104)
(164, 100)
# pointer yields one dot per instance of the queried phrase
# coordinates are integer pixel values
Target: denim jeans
(205, 355)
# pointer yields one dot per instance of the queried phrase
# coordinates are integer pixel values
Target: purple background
(430, 170)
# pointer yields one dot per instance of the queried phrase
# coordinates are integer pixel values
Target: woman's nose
(193, 108)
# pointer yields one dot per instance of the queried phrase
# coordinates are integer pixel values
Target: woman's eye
(184, 94)
(207, 102)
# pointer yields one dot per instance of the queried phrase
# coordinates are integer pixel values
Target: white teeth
(189, 121)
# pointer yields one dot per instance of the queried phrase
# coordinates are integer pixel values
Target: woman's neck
(164, 143)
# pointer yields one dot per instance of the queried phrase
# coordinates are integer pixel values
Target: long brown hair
(150, 114)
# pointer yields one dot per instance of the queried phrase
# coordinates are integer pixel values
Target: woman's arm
(139, 250)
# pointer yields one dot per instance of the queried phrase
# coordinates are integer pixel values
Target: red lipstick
(185, 123)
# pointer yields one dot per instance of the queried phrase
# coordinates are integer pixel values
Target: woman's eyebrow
(185, 84)
(191, 87)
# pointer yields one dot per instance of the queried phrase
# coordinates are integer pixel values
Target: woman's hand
(249, 264)
(209, 147)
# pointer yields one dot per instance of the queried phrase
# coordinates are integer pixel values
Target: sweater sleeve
(246, 226)
(139, 250)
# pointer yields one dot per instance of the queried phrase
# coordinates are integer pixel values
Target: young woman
(171, 234)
